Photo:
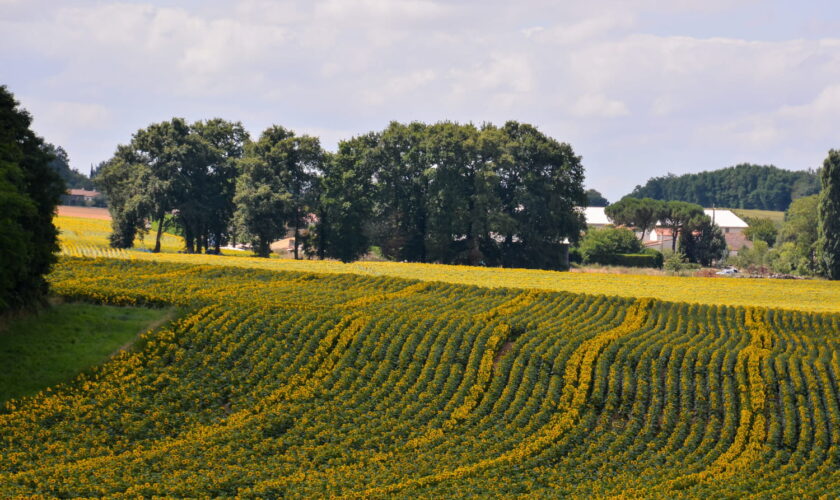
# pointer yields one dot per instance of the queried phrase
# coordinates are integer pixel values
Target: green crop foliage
(293, 384)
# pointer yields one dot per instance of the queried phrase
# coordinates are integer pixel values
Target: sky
(639, 88)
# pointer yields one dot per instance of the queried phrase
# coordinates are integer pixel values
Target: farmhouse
(79, 197)
(660, 237)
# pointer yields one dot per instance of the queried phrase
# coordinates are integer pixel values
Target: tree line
(762, 187)
(444, 192)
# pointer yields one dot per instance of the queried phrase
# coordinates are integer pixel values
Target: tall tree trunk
(322, 236)
(674, 239)
(297, 231)
(159, 233)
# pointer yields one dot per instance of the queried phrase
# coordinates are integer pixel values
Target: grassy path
(52, 347)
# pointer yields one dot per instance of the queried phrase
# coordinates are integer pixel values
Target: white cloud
(596, 105)
(572, 68)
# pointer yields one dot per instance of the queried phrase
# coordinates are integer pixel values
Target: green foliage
(798, 238)
(601, 246)
(757, 257)
(640, 214)
(455, 194)
(347, 200)
(595, 199)
(175, 172)
(761, 230)
(741, 186)
(675, 262)
(653, 259)
(275, 188)
(29, 193)
(829, 216)
(702, 241)
(53, 346)
(678, 217)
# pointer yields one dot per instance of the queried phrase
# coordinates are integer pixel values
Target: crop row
(300, 384)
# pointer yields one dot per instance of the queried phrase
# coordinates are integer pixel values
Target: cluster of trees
(763, 187)
(29, 193)
(807, 243)
(695, 235)
(443, 192)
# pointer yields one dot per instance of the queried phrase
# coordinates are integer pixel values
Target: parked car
(727, 271)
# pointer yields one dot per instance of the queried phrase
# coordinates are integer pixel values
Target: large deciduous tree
(29, 193)
(641, 214)
(702, 241)
(346, 202)
(676, 216)
(274, 190)
(173, 172)
(829, 216)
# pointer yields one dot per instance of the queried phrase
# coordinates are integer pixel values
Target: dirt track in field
(84, 212)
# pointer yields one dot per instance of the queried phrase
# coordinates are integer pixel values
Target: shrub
(601, 246)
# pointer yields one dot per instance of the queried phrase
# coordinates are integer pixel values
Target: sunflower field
(285, 383)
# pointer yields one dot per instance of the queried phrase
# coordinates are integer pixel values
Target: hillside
(761, 187)
(304, 385)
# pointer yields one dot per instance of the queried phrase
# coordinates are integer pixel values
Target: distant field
(89, 238)
(84, 212)
(776, 217)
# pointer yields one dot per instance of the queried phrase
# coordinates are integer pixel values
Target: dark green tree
(676, 216)
(346, 203)
(274, 188)
(761, 229)
(541, 190)
(797, 241)
(30, 190)
(829, 216)
(640, 214)
(600, 246)
(227, 145)
(702, 241)
(595, 199)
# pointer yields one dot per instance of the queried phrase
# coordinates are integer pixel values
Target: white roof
(595, 216)
(725, 218)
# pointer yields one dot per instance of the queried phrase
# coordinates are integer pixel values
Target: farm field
(83, 237)
(290, 384)
(776, 216)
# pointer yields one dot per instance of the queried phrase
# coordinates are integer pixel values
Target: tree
(797, 239)
(595, 199)
(600, 245)
(227, 145)
(676, 215)
(346, 199)
(542, 188)
(121, 179)
(274, 187)
(761, 230)
(30, 190)
(829, 216)
(641, 214)
(702, 241)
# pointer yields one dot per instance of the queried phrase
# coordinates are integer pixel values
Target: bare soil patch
(84, 212)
